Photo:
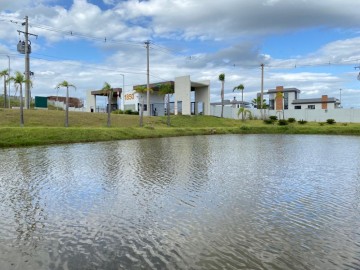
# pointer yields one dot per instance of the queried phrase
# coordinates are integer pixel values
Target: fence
(317, 115)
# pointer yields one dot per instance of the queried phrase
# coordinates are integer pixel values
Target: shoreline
(47, 127)
(11, 137)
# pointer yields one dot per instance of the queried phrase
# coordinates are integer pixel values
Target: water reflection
(204, 202)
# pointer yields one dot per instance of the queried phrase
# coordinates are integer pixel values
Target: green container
(41, 102)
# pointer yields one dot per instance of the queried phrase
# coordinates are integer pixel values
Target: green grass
(43, 127)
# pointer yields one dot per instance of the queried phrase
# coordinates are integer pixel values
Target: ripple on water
(207, 202)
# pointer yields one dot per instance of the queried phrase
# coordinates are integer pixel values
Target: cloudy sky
(311, 45)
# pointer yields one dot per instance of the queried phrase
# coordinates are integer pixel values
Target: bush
(302, 122)
(330, 121)
(282, 122)
(268, 121)
(291, 120)
(273, 118)
(117, 112)
(321, 123)
(128, 111)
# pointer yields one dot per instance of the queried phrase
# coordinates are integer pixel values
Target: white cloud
(216, 34)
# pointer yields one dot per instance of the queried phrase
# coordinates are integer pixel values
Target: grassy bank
(47, 127)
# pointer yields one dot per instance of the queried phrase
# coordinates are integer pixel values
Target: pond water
(203, 202)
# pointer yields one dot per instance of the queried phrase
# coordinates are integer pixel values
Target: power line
(72, 33)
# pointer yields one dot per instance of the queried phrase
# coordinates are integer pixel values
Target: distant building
(288, 99)
(233, 103)
(189, 98)
(73, 102)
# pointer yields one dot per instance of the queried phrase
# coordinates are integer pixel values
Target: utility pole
(147, 43)
(340, 97)
(8, 91)
(262, 91)
(26, 49)
(27, 65)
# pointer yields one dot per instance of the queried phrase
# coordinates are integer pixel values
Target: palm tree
(4, 74)
(241, 87)
(244, 112)
(167, 89)
(108, 90)
(66, 85)
(256, 103)
(18, 80)
(141, 90)
(222, 79)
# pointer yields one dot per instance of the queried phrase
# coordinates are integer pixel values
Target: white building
(288, 99)
(189, 98)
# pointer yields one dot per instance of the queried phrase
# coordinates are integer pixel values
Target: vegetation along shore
(45, 127)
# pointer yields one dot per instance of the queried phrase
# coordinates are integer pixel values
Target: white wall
(319, 115)
(340, 115)
(183, 93)
(90, 101)
(202, 94)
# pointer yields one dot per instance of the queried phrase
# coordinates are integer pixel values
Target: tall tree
(66, 85)
(167, 89)
(18, 80)
(109, 92)
(241, 87)
(4, 74)
(141, 90)
(222, 79)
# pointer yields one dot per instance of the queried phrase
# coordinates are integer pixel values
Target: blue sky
(311, 45)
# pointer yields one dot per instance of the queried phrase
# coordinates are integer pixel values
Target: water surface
(204, 202)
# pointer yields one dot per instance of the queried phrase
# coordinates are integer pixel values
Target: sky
(311, 45)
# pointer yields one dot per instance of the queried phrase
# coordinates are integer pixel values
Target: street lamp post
(340, 98)
(123, 91)
(8, 84)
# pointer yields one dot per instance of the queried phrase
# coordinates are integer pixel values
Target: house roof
(155, 86)
(314, 100)
(232, 102)
(104, 93)
(285, 90)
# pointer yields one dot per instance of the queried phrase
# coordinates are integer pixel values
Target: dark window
(311, 107)
(286, 101)
(271, 104)
(298, 107)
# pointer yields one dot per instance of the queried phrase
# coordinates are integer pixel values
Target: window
(286, 101)
(271, 104)
(311, 107)
(298, 107)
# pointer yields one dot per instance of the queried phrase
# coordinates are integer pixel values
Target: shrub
(273, 117)
(128, 111)
(282, 122)
(268, 121)
(291, 120)
(117, 112)
(321, 123)
(330, 121)
(302, 122)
